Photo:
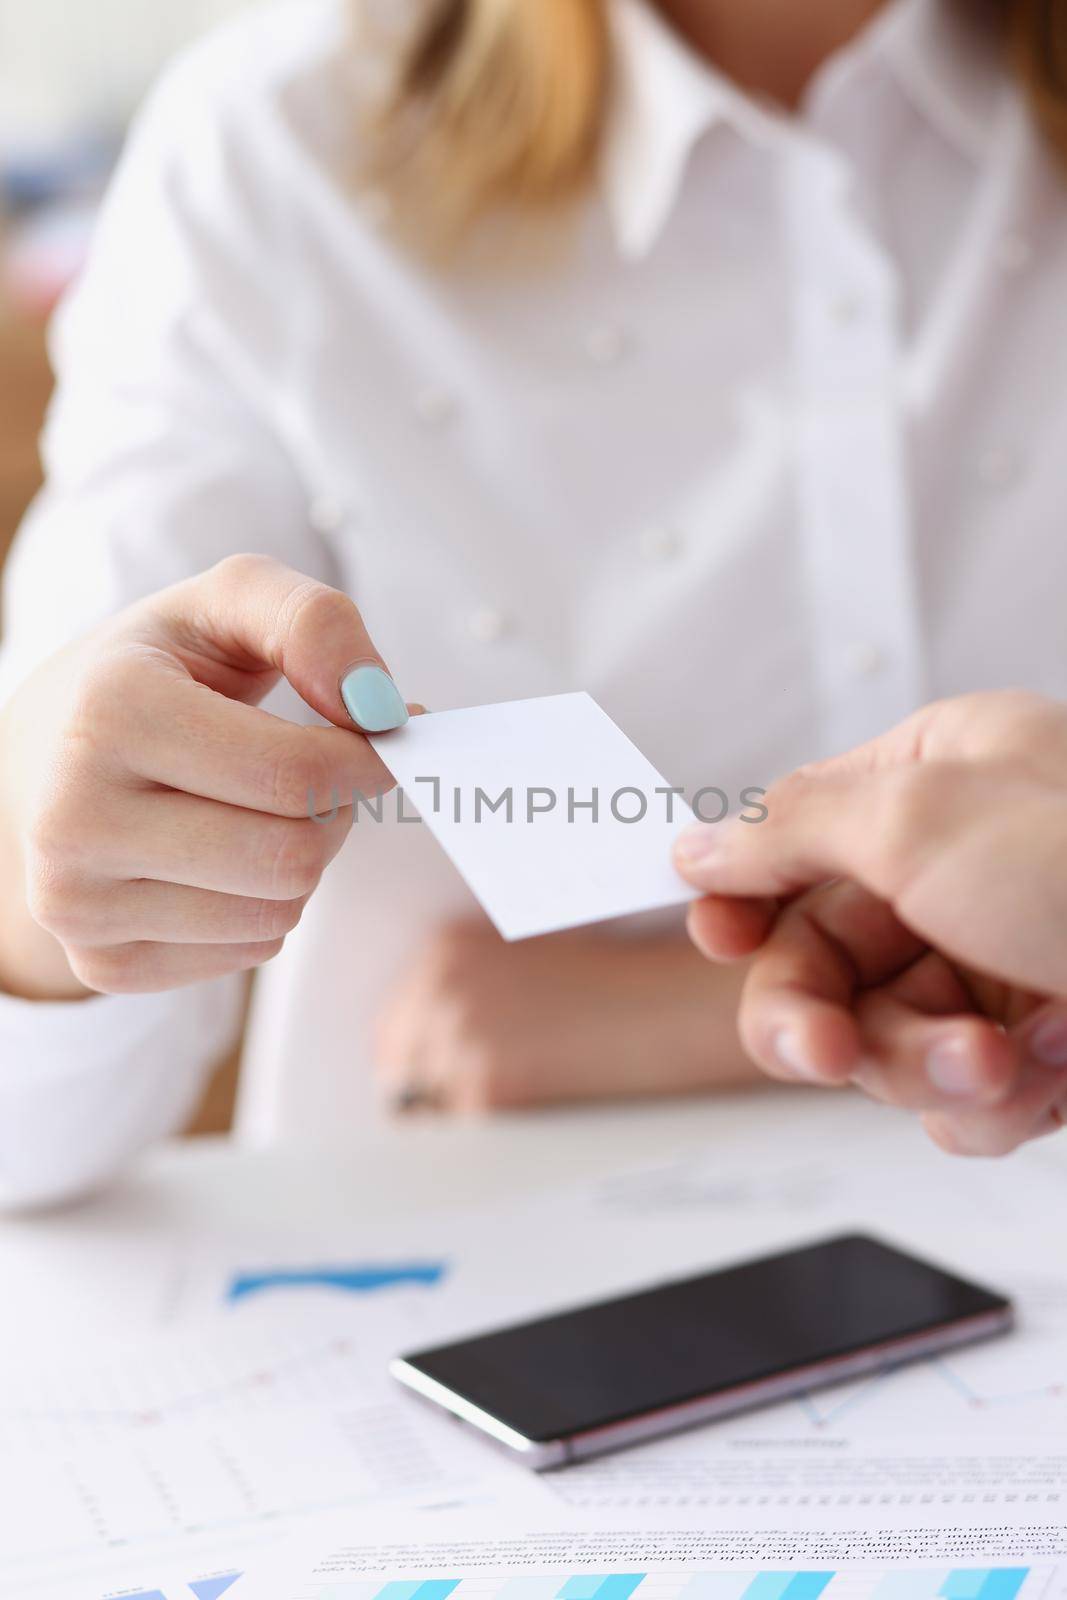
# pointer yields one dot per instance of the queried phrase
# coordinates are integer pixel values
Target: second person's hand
(908, 903)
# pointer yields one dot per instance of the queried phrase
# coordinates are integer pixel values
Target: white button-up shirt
(763, 451)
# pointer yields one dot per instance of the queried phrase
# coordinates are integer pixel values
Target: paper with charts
(535, 1552)
(683, 1581)
(221, 1438)
(224, 1430)
(341, 1576)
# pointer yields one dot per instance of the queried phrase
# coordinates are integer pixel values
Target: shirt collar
(950, 64)
(665, 98)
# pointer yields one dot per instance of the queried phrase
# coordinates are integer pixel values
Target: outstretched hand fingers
(729, 930)
(925, 1048)
(842, 992)
(797, 1013)
(1037, 1107)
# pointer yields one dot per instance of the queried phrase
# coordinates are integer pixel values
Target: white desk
(85, 1260)
(733, 1177)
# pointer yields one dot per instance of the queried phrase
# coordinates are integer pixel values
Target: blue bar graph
(436, 1588)
(787, 1586)
(983, 1583)
(1004, 1583)
(807, 1585)
(915, 1583)
(213, 1588)
(965, 1584)
(620, 1586)
(957, 1583)
(931, 1583)
(601, 1586)
(358, 1279)
(400, 1591)
(418, 1589)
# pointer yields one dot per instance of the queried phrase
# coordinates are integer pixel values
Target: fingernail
(950, 1069)
(1048, 1042)
(944, 1135)
(790, 1054)
(695, 847)
(372, 699)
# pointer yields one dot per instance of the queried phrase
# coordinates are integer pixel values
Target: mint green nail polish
(373, 699)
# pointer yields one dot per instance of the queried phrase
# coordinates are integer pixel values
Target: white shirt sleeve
(85, 1085)
(161, 457)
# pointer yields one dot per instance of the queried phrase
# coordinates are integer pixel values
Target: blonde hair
(1038, 31)
(505, 101)
(497, 103)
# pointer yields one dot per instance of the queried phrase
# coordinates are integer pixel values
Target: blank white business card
(552, 815)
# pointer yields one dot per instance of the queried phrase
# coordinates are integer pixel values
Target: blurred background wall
(71, 74)
(62, 62)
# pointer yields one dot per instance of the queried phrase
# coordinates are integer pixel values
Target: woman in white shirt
(758, 440)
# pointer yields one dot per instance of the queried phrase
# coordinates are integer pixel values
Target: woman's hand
(160, 823)
(477, 1024)
(908, 903)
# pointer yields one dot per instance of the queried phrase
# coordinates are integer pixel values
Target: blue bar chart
(787, 1586)
(984, 1583)
(934, 1583)
(359, 1279)
(957, 1583)
(212, 1588)
(419, 1589)
(793, 1585)
(590, 1586)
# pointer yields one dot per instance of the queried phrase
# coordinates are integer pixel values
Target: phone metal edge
(538, 1454)
(543, 1455)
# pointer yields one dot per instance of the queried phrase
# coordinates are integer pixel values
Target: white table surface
(399, 1168)
(762, 1170)
(212, 1190)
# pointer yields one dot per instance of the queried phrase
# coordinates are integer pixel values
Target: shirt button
(662, 543)
(607, 344)
(846, 309)
(1013, 253)
(436, 408)
(326, 514)
(868, 660)
(488, 625)
(999, 467)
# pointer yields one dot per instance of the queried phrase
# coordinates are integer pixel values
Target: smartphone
(585, 1382)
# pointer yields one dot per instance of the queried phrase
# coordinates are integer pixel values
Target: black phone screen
(605, 1363)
